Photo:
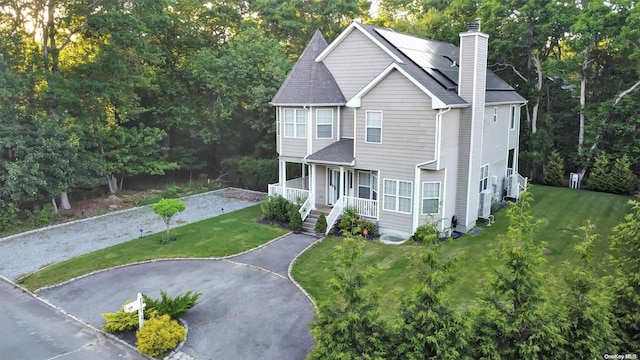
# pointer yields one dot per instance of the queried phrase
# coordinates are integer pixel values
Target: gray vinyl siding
(292, 147)
(497, 141)
(408, 126)
(317, 144)
(408, 138)
(346, 122)
(471, 133)
(449, 140)
(355, 62)
(321, 185)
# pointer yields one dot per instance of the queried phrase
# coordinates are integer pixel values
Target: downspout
(416, 179)
(309, 130)
(338, 124)
(516, 153)
(508, 144)
(355, 138)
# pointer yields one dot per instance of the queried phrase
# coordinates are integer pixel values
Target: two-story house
(405, 130)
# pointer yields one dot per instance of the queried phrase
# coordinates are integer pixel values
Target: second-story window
(324, 123)
(374, 127)
(495, 114)
(295, 123)
(512, 118)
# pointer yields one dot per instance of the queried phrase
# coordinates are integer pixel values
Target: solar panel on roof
(495, 83)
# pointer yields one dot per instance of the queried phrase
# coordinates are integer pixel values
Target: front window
(484, 177)
(324, 123)
(295, 123)
(397, 195)
(430, 197)
(367, 185)
(374, 127)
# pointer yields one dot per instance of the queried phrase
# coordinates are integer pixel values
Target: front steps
(309, 224)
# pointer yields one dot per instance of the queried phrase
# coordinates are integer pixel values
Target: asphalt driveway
(249, 309)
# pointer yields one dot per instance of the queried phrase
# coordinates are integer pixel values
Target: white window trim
(483, 178)
(495, 114)
(439, 198)
(397, 196)
(366, 126)
(295, 124)
(512, 117)
(373, 184)
(318, 124)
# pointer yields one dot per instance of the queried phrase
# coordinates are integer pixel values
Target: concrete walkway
(249, 309)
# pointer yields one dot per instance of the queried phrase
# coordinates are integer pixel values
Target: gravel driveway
(27, 252)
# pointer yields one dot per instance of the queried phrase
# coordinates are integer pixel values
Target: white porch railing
(364, 207)
(292, 194)
(306, 207)
(338, 207)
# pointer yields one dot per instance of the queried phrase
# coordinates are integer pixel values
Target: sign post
(138, 306)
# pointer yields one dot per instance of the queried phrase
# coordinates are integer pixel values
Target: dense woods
(93, 92)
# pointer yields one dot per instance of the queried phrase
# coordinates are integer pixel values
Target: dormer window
(295, 123)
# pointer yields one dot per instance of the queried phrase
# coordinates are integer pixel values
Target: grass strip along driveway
(565, 210)
(222, 235)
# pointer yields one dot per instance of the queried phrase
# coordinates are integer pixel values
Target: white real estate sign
(138, 306)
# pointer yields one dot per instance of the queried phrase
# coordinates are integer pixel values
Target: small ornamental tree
(554, 169)
(622, 180)
(167, 208)
(321, 224)
(349, 326)
(514, 319)
(599, 178)
(589, 332)
(625, 260)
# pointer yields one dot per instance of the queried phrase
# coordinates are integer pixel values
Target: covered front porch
(330, 188)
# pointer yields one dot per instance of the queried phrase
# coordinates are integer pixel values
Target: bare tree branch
(505, 65)
(626, 92)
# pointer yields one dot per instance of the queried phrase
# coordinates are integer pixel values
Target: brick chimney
(471, 87)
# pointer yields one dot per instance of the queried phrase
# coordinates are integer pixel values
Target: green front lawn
(223, 235)
(564, 210)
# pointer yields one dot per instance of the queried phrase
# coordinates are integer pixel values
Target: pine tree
(622, 180)
(599, 178)
(514, 319)
(626, 286)
(349, 327)
(554, 169)
(587, 307)
(429, 328)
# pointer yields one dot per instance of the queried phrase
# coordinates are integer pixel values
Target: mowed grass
(223, 235)
(563, 211)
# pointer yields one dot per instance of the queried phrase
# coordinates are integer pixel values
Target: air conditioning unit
(513, 186)
(484, 207)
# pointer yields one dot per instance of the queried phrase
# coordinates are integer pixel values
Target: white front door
(333, 188)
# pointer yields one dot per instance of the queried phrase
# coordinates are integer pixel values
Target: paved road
(30, 329)
(249, 309)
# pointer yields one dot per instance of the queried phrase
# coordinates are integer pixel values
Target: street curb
(302, 290)
(80, 321)
(227, 257)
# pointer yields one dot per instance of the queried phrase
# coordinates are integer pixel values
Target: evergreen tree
(514, 319)
(626, 286)
(587, 307)
(622, 180)
(429, 328)
(599, 178)
(554, 169)
(349, 327)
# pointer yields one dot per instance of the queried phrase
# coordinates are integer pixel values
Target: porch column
(342, 181)
(283, 177)
(312, 186)
(304, 176)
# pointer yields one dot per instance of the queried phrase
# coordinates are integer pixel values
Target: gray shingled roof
(339, 152)
(310, 82)
(439, 70)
